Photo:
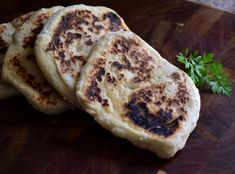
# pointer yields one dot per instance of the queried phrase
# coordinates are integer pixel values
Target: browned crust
(93, 92)
(148, 108)
(138, 62)
(74, 20)
(3, 44)
(163, 120)
(44, 88)
(29, 40)
(22, 19)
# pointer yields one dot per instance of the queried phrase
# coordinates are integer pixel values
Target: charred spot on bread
(158, 123)
(3, 46)
(42, 87)
(110, 79)
(93, 91)
(133, 59)
(28, 41)
(71, 37)
(115, 22)
(175, 76)
(72, 20)
(79, 26)
(23, 18)
(89, 42)
(147, 109)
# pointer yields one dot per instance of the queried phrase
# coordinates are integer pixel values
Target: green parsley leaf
(204, 70)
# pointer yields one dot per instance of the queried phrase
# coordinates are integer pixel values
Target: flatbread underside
(6, 33)
(132, 91)
(66, 41)
(20, 67)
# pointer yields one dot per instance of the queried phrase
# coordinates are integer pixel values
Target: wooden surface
(229, 6)
(72, 143)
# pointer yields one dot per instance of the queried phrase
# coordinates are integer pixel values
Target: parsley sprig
(204, 70)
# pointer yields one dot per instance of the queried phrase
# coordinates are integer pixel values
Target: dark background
(69, 143)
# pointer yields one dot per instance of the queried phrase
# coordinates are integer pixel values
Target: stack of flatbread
(86, 57)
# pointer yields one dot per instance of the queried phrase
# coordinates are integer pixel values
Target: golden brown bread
(21, 70)
(66, 41)
(6, 33)
(136, 94)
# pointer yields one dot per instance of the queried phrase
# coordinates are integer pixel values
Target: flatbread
(21, 70)
(66, 40)
(6, 32)
(19, 21)
(132, 91)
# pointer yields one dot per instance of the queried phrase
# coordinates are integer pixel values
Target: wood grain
(69, 143)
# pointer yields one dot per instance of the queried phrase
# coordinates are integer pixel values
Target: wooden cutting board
(72, 143)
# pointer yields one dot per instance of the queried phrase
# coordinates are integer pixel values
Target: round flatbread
(6, 33)
(20, 67)
(66, 40)
(136, 94)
